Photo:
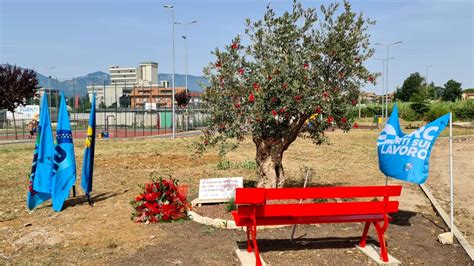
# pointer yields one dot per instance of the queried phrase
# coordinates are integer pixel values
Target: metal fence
(115, 123)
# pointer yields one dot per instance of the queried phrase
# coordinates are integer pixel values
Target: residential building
(122, 82)
(467, 95)
(152, 97)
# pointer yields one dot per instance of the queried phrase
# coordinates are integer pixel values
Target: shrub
(160, 201)
(407, 113)
(438, 109)
(464, 110)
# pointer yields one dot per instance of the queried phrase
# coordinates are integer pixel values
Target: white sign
(219, 188)
(24, 112)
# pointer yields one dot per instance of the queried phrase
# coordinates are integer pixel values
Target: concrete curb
(224, 224)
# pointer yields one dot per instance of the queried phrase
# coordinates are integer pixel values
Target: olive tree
(297, 76)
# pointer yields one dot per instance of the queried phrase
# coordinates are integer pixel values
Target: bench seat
(261, 206)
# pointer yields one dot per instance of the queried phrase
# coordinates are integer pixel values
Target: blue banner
(88, 162)
(406, 157)
(64, 161)
(39, 189)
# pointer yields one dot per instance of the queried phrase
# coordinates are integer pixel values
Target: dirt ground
(105, 234)
(463, 173)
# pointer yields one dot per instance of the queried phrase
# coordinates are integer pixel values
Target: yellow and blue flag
(64, 160)
(39, 189)
(407, 157)
(88, 162)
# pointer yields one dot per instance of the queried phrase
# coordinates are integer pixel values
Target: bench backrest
(259, 196)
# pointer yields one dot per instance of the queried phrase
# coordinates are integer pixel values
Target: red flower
(274, 113)
(354, 102)
(370, 78)
(341, 74)
(237, 105)
(241, 71)
(139, 197)
(256, 87)
(318, 110)
(251, 97)
(269, 77)
(218, 64)
(330, 119)
(285, 85)
(343, 120)
(234, 46)
(306, 66)
(273, 99)
(206, 142)
(356, 125)
(298, 98)
(282, 110)
(325, 94)
(149, 188)
(221, 126)
(150, 197)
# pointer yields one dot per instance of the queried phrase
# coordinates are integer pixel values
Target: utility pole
(185, 37)
(386, 78)
(172, 80)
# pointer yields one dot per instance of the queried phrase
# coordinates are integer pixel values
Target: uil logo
(388, 135)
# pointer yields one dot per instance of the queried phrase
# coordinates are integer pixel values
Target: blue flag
(42, 168)
(88, 162)
(406, 157)
(64, 161)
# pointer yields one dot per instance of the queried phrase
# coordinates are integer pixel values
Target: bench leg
(364, 235)
(383, 247)
(249, 246)
(255, 247)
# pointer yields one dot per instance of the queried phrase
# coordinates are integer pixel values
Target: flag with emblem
(406, 156)
(64, 160)
(39, 189)
(88, 162)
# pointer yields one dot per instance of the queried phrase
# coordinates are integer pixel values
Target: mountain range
(98, 78)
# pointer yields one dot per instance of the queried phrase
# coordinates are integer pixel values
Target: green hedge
(462, 111)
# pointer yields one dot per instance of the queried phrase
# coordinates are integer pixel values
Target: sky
(78, 37)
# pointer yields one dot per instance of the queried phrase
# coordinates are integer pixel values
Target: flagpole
(451, 171)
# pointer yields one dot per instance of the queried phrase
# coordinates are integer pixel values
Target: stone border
(224, 224)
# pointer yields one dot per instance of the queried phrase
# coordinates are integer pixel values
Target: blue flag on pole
(88, 162)
(406, 157)
(42, 168)
(64, 160)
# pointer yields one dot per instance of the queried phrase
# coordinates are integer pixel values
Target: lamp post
(172, 80)
(426, 77)
(49, 77)
(386, 78)
(185, 37)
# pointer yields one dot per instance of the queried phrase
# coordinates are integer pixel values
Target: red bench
(254, 209)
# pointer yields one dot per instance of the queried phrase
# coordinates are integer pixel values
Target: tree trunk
(269, 164)
(14, 125)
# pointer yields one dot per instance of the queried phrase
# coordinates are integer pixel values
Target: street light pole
(185, 37)
(386, 78)
(172, 80)
(383, 83)
(426, 77)
(49, 76)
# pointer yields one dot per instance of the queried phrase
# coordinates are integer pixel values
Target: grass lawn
(105, 233)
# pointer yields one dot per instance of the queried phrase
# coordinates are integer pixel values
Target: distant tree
(296, 67)
(420, 103)
(182, 98)
(452, 91)
(124, 101)
(16, 86)
(411, 85)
